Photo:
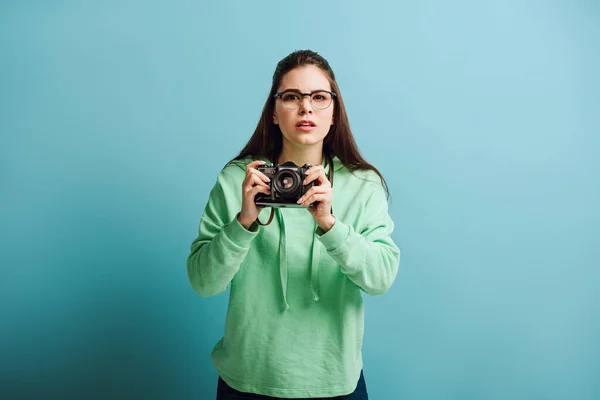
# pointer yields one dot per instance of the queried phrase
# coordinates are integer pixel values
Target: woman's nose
(305, 104)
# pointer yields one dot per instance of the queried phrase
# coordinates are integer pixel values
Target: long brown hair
(267, 138)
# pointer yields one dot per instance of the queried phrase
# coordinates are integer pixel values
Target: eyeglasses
(319, 99)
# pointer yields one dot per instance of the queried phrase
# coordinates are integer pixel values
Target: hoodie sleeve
(369, 258)
(221, 246)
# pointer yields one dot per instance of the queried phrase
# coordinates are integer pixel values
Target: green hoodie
(294, 325)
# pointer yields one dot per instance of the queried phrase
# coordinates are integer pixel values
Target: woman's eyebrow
(299, 91)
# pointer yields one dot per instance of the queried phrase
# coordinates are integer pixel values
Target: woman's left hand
(319, 197)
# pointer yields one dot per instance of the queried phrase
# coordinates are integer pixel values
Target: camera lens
(287, 183)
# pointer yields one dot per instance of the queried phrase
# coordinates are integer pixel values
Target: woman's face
(306, 79)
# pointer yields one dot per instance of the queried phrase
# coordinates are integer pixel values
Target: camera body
(285, 185)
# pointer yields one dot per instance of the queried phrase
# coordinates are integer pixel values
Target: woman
(294, 325)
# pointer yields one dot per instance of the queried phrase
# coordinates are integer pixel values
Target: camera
(285, 185)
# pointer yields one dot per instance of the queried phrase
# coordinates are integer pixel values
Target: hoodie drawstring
(283, 266)
(283, 272)
(314, 267)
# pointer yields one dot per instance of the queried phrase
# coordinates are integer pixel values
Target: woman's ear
(275, 119)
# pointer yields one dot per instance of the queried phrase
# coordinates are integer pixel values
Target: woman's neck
(310, 155)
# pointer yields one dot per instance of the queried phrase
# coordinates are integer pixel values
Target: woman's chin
(307, 142)
(305, 138)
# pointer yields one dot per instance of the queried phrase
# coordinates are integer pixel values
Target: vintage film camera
(286, 185)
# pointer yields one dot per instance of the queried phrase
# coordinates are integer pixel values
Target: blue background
(116, 117)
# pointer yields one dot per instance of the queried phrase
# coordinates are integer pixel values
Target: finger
(314, 169)
(314, 190)
(308, 193)
(254, 164)
(251, 194)
(262, 176)
(251, 169)
(309, 197)
(316, 174)
(254, 180)
(259, 189)
(317, 197)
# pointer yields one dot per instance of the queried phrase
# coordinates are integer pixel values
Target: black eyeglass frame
(333, 97)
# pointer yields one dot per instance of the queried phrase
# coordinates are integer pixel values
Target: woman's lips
(305, 128)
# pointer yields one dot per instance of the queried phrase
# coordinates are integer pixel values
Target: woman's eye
(318, 97)
(290, 97)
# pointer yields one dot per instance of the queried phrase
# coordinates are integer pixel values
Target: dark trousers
(226, 392)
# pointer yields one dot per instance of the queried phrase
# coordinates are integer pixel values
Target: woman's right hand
(255, 182)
